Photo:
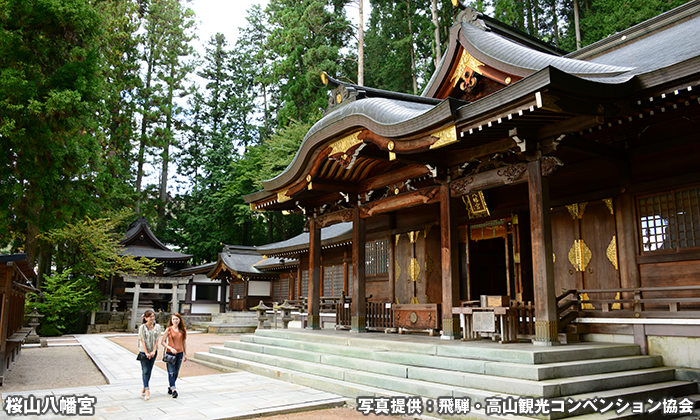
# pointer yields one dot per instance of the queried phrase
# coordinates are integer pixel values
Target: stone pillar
(359, 300)
(314, 298)
(135, 305)
(449, 265)
(173, 300)
(542, 262)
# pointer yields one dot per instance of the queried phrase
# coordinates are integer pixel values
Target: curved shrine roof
(506, 55)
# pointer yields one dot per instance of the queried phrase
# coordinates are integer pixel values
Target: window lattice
(238, 290)
(280, 290)
(670, 221)
(332, 280)
(377, 257)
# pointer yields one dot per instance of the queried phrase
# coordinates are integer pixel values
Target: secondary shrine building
(570, 182)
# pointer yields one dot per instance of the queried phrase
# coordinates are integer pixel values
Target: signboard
(484, 321)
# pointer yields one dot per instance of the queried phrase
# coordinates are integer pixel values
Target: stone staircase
(229, 323)
(376, 364)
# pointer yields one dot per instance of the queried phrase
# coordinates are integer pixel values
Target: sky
(224, 16)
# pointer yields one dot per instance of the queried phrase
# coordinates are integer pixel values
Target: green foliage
(65, 299)
(49, 86)
(307, 38)
(87, 252)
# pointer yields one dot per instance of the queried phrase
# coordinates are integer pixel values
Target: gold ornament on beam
(466, 61)
(609, 203)
(576, 210)
(414, 269)
(611, 252)
(580, 255)
(445, 137)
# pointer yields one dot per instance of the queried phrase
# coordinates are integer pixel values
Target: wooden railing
(567, 310)
(525, 314)
(640, 302)
(379, 315)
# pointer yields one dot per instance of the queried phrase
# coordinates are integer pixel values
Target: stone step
(325, 364)
(354, 380)
(353, 384)
(484, 350)
(331, 385)
(505, 369)
(213, 328)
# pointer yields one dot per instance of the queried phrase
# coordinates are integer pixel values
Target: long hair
(146, 314)
(180, 326)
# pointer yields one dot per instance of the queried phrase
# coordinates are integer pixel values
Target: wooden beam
(458, 157)
(401, 201)
(393, 177)
(507, 175)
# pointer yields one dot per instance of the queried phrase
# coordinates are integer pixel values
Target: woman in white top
(150, 335)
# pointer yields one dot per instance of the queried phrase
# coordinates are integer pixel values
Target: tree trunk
(555, 23)
(144, 128)
(413, 54)
(270, 228)
(530, 14)
(577, 25)
(361, 46)
(166, 150)
(44, 264)
(436, 22)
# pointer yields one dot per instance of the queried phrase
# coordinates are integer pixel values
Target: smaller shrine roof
(139, 241)
(239, 261)
(331, 235)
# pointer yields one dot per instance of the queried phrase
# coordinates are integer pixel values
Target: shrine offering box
(425, 316)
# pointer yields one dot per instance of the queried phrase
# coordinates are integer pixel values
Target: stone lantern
(261, 309)
(33, 338)
(286, 309)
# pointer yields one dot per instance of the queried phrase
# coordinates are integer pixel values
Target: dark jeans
(174, 369)
(147, 368)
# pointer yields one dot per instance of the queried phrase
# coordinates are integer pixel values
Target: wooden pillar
(300, 273)
(627, 241)
(222, 295)
(542, 263)
(450, 265)
(392, 258)
(359, 305)
(314, 298)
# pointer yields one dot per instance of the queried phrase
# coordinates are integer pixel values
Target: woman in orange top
(175, 339)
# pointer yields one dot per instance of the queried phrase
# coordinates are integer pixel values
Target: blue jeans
(174, 369)
(147, 368)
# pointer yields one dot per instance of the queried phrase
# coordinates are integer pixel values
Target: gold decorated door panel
(585, 247)
(417, 266)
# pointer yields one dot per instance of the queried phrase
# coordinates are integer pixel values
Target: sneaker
(170, 391)
(174, 394)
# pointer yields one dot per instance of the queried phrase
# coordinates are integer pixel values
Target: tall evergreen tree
(49, 67)
(307, 38)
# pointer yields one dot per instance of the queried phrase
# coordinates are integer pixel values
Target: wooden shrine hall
(518, 173)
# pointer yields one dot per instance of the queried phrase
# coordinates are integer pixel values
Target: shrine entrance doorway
(490, 260)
